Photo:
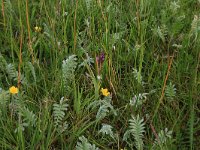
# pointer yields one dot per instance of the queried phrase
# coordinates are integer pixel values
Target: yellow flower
(38, 29)
(105, 92)
(13, 90)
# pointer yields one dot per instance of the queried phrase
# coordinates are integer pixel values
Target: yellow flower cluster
(105, 92)
(13, 90)
(37, 29)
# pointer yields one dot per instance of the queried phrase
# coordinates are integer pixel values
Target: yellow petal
(105, 92)
(38, 29)
(13, 90)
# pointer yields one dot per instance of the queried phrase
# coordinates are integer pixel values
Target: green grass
(151, 69)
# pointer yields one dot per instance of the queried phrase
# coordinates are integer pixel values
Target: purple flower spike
(102, 57)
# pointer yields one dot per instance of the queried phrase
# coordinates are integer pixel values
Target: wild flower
(105, 92)
(37, 29)
(99, 61)
(13, 90)
(99, 77)
(100, 58)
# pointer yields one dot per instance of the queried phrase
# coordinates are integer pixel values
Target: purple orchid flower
(100, 58)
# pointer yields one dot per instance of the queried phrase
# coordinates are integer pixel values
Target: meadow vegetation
(99, 74)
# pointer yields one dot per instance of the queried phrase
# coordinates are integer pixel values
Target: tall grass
(146, 53)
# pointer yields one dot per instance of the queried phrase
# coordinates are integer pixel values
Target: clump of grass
(111, 60)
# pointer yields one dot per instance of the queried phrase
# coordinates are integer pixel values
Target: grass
(146, 53)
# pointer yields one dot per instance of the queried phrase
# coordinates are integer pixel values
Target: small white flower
(99, 77)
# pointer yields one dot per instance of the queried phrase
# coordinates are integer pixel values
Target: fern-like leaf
(68, 68)
(137, 129)
(13, 74)
(3, 63)
(170, 91)
(174, 6)
(161, 32)
(163, 137)
(105, 107)
(83, 144)
(11, 71)
(4, 97)
(107, 130)
(23, 79)
(59, 114)
(28, 117)
(195, 26)
(138, 99)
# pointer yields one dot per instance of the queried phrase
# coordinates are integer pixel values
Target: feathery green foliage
(28, 117)
(149, 48)
(83, 144)
(170, 91)
(136, 125)
(68, 68)
(107, 130)
(105, 107)
(59, 112)
(164, 137)
(4, 96)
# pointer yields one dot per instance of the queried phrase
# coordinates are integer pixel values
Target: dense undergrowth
(98, 74)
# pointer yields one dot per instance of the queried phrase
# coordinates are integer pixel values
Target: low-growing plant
(127, 71)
